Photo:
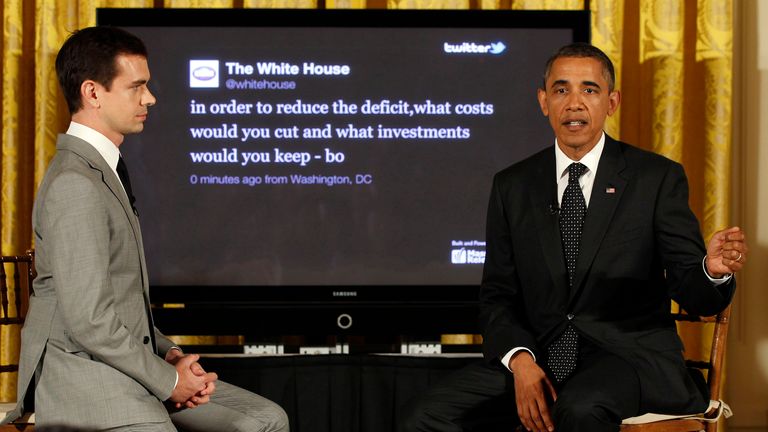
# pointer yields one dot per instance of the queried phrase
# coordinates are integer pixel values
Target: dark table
(338, 393)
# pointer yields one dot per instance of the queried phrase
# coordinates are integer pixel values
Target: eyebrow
(585, 83)
(590, 84)
(140, 81)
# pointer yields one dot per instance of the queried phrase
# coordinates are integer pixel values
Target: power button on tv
(344, 321)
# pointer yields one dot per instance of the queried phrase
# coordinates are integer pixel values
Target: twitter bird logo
(497, 48)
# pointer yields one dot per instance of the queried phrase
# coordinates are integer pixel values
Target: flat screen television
(328, 171)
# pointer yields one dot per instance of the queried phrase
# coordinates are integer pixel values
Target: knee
(269, 418)
(275, 419)
(583, 415)
(414, 417)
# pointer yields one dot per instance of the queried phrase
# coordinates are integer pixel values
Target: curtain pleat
(661, 49)
(548, 4)
(714, 50)
(428, 4)
(280, 4)
(345, 4)
(14, 169)
(211, 4)
(608, 35)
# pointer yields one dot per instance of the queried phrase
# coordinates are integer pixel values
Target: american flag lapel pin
(610, 190)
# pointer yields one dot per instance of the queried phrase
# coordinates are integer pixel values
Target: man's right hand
(191, 380)
(531, 386)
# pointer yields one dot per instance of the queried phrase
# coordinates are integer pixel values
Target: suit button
(146, 340)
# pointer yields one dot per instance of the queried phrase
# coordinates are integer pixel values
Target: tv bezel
(325, 310)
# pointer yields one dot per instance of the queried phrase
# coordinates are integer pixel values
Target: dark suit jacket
(641, 246)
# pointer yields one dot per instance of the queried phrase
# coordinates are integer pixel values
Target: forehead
(577, 70)
(131, 67)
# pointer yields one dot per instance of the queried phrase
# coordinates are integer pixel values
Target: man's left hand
(204, 396)
(726, 252)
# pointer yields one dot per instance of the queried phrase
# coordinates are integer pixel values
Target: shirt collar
(590, 160)
(106, 148)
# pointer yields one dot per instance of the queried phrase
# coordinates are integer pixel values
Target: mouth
(575, 125)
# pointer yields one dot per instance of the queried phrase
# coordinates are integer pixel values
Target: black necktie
(564, 350)
(122, 172)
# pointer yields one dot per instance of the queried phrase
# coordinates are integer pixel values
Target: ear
(542, 96)
(614, 99)
(89, 94)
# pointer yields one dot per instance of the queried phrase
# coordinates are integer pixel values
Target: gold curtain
(675, 54)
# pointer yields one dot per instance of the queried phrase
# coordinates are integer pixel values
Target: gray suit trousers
(231, 409)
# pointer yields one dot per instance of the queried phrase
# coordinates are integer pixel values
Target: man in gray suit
(89, 339)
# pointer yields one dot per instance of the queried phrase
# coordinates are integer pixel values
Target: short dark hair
(581, 49)
(90, 54)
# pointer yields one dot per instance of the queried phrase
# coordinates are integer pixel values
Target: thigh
(603, 390)
(232, 408)
(476, 397)
(165, 426)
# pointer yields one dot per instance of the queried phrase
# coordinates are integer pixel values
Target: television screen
(311, 162)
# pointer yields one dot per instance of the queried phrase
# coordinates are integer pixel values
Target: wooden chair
(714, 368)
(16, 275)
(14, 292)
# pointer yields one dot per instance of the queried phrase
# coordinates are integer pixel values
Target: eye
(560, 90)
(590, 91)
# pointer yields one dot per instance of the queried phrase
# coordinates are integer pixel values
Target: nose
(574, 101)
(148, 99)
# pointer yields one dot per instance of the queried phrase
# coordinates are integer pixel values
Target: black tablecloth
(337, 393)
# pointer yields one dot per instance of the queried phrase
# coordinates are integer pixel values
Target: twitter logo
(497, 48)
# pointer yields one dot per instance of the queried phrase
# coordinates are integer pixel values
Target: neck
(85, 118)
(576, 153)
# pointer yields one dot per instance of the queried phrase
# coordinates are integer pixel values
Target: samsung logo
(345, 293)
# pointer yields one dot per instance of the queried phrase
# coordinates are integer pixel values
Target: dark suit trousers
(480, 397)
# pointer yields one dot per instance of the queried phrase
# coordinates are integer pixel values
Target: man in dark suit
(588, 241)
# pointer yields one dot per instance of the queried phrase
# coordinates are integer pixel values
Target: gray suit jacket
(88, 327)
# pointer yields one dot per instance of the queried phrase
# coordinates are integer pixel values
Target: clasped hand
(195, 385)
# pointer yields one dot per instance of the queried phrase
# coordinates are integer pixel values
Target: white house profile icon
(204, 74)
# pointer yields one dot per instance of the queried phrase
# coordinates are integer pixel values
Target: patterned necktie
(122, 172)
(564, 350)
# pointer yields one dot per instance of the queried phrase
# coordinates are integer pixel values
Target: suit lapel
(606, 193)
(544, 204)
(97, 162)
(110, 179)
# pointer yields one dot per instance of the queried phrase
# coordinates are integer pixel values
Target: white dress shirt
(106, 148)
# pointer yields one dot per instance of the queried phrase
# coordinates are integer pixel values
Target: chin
(577, 141)
(573, 143)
